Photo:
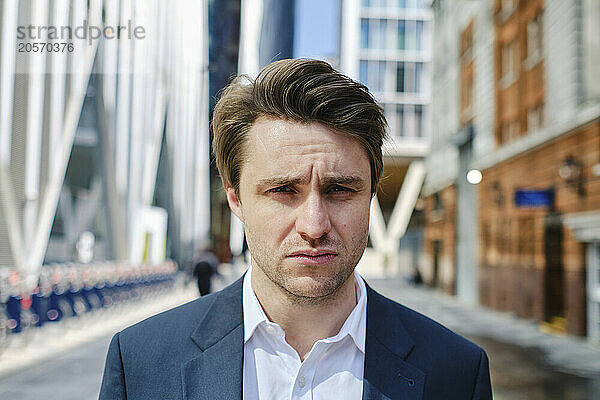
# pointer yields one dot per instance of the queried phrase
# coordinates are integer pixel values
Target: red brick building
(516, 104)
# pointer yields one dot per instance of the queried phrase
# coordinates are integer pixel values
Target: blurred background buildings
(492, 169)
(386, 45)
(105, 141)
(516, 111)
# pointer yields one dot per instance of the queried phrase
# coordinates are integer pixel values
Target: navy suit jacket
(196, 351)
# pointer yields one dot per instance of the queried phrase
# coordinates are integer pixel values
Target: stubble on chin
(316, 291)
(282, 275)
(307, 290)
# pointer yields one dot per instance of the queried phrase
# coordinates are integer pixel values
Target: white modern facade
(85, 124)
(386, 45)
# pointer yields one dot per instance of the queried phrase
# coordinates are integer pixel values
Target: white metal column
(8, 209)
(48, 203)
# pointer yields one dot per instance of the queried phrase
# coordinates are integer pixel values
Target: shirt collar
(355, 325)
(254, 315)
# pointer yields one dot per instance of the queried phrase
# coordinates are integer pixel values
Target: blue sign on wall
(534, 198)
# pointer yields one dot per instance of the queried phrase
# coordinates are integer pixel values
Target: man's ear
(234, 202)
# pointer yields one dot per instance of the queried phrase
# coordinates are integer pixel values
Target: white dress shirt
(333, 368)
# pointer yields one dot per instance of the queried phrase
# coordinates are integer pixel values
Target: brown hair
(299, 90)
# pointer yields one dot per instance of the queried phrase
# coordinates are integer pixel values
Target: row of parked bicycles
(71, 290)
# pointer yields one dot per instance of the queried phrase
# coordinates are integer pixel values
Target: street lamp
(570, 171)
(474, 176)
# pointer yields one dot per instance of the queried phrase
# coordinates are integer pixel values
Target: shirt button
(301, 381)
(271, 330)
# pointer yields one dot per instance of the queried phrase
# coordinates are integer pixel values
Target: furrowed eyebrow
(279, 181)
(349, 180)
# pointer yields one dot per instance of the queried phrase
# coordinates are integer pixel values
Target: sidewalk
(49, 341)
(567, 354)
(52, 339)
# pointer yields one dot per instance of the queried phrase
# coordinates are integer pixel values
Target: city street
(525, 363)
(460, 140)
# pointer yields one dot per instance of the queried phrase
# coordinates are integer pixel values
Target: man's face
(304, 198)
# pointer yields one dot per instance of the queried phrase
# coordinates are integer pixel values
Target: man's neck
(304, 322)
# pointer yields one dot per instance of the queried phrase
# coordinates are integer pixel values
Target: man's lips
(313, 257)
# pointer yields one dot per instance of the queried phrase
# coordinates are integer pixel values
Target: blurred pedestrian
(416, 279)
(205, 266)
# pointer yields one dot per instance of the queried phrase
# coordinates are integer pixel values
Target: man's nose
(313, 222)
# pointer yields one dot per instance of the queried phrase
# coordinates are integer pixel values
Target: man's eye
(338, 189)
(281, 189)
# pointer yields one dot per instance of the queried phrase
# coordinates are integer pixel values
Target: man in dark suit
(299, 153)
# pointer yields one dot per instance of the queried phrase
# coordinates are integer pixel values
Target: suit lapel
(387, 375)
(216, 373)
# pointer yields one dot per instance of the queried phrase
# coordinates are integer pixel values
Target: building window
(395, 114)
(414, 4)
(510, 131)
(399, 120)
(409, 77)
(419, 120)
(377, 34)
(400, 77)
(390, 116)
(373, 3)
(364, 72)
(534, 40)
(509, 63)
(381, 34)
(418, 77)
(372, 74)
(466, 73)
(411, 35)
(364, 33)
(401, 39)
(467, 92)
(409, 121)
(535, 118)
(438, 204)
(381, 76)
(419, 35)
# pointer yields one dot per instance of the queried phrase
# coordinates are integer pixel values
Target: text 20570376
(48, 47)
